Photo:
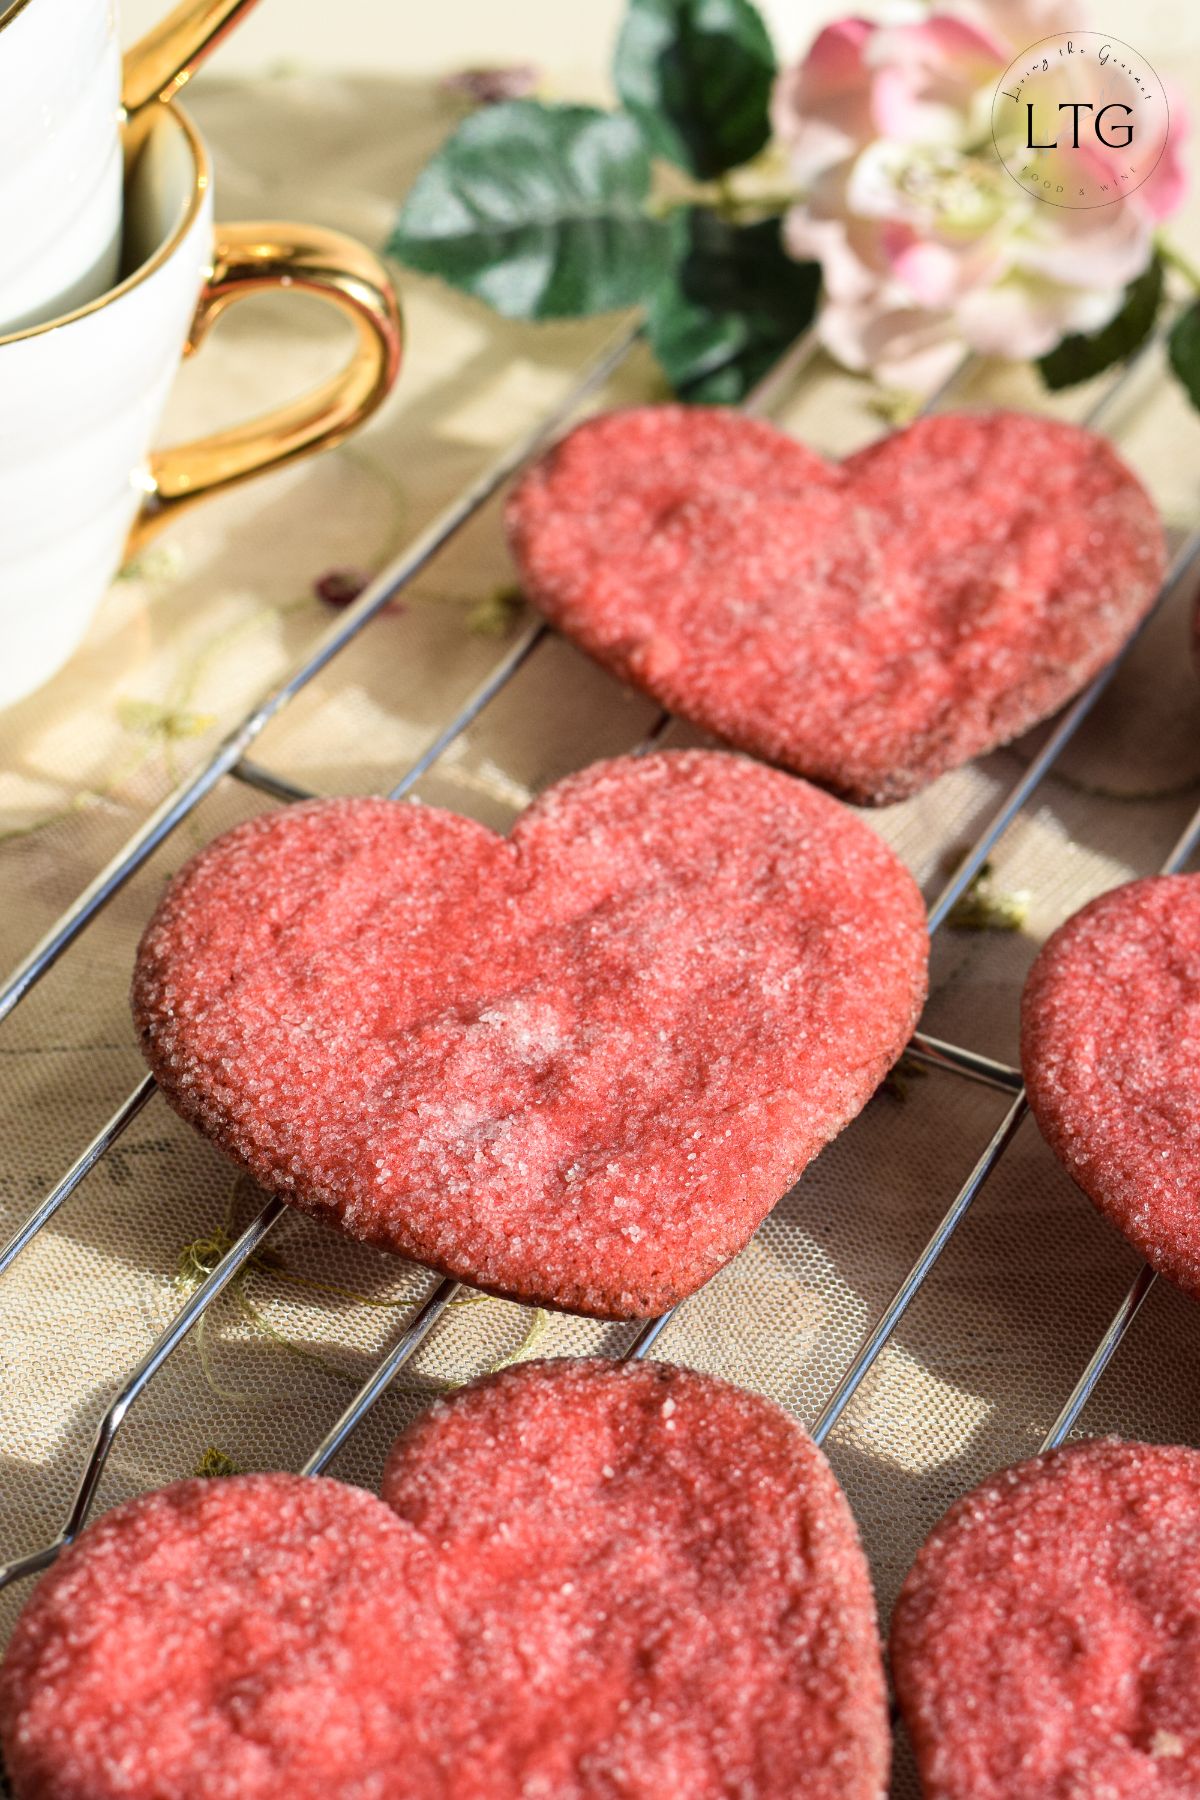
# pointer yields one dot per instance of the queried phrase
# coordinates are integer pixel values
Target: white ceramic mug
(81, 397)
(64, 95)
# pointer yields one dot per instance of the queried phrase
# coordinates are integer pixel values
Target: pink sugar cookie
(1110, 1047)
(1046, 1644)
(242, 1639)
(668, 1593)
(577, 1065)
(596, 1580)
(869, 624)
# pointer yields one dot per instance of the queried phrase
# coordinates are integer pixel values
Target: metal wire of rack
(230, 759)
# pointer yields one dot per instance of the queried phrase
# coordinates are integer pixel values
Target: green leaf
(1184, 350)
(538, 210)
(1080, 357)
(697, 77)
(731, 306)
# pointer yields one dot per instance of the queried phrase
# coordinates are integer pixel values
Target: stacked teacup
(111, 269)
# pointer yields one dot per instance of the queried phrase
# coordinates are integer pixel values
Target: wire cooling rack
(231, 761)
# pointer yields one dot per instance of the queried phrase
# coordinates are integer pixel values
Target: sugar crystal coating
(667, 1591)
(239, 1639)
(577, 1065)
(869, 625)
(1110, 1047)
(597, 1580)
(1046, 1644)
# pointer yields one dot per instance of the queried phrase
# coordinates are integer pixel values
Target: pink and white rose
(928, 247)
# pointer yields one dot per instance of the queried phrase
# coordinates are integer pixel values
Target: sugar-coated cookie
(1110, 1048)
(577, 1065)
(1046, 1644)
(869, 624)
(669, 1593)
(247, 1637)
(588, 1579)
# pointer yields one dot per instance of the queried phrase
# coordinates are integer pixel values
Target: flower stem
(733, 207)
(1175, 259)
(721, 198)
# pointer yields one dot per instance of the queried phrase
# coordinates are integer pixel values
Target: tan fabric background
(988, 1352)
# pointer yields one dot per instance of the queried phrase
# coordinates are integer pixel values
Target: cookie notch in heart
(576, 1066)
(869, 625)
(588, 1578)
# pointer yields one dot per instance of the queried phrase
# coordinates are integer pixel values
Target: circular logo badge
(1080, 119)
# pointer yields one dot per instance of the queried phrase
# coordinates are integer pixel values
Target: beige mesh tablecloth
(989, 1351)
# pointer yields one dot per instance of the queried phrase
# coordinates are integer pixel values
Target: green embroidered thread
(498, 614)
(161, 562)
(81, 801)
(178, 708)
(214, 1463)
(539, 1324)
(196, 1262)
(983, 907)
(148, 719)
(162, 726)
(897, 407)
(198, 1259)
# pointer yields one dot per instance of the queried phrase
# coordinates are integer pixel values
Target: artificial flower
(928, 247)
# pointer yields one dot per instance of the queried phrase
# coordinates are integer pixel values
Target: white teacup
(82, 396)
(63, 100)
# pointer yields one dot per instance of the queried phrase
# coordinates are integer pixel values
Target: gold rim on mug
(246, 258)
(6, 18)
(170, 243)
(166, 56)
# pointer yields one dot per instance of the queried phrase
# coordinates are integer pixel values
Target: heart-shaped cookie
(1046, 1641)
(577, 1065)
(869, 624)
(596, 1580)
(667, 1590)
(1110, 1049)
(246, 1637)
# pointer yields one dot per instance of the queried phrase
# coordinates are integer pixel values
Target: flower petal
(1164, 192)
(927, 77)
(1017, 24)
(1090, 247)
(848, 252)
(1021, 318)
(820, 109)
(904, 347)
(936, 275)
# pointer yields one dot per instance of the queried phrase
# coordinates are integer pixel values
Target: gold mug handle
(160, 63)
(246, 259)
